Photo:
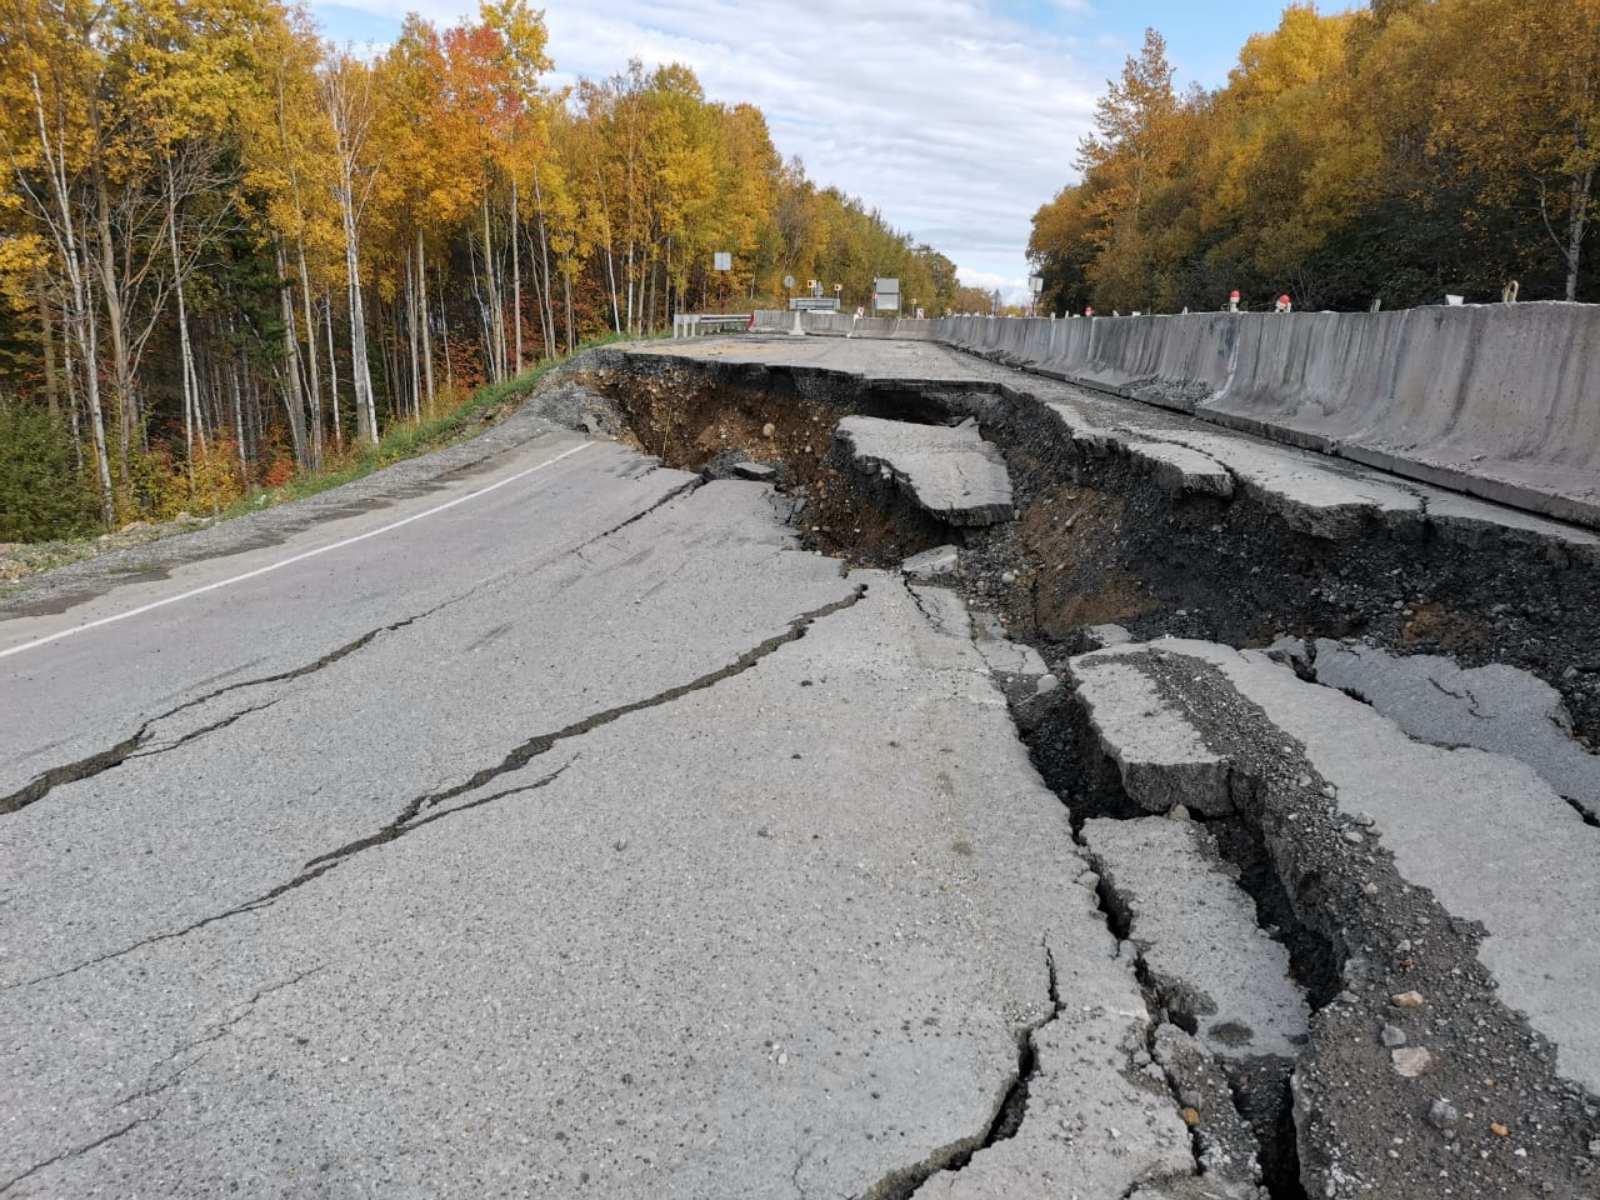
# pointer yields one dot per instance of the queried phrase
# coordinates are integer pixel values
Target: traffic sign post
(886, 295)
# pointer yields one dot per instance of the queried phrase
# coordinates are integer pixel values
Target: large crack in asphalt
(134, 745)
(411, 818)
(903, 1182)
(45, 782)
(523, 753)
(683, 489)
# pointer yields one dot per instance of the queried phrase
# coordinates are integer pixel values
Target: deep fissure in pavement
(903, 1182)
(1099, 539)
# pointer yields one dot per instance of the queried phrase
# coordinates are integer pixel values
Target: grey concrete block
(1161, 756)
(1197, 934)
(1495, 707)
(931, 564)
(951, 473)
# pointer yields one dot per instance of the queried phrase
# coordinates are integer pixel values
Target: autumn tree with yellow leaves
(230, 252)
(1387, 155)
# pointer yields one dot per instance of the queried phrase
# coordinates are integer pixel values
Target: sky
(955, 118)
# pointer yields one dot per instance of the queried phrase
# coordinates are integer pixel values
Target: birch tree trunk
(191, 398)
(1577, 224)
(549, 312)
(497, 315)
(333, 376)
(516, 268)
(80, 320)
(566, 287)
(291, 361)
(415, 340)
(115, 318)
(427, 337)
(313, 376)
(347, 139)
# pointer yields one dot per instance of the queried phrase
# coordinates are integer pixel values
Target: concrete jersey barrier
(1500, 401)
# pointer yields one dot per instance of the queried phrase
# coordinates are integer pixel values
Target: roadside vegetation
(235, 258)
(1394, 154)
(42, 491)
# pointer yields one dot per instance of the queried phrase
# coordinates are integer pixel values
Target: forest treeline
(231, 252)
(1393, 154)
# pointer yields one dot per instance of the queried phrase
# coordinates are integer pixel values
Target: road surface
(557, 827)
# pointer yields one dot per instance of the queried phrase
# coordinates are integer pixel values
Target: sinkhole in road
(1098, 540)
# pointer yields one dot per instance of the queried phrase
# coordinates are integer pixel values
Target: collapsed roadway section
(1324, 736)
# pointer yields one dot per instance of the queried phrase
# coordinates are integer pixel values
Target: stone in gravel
(1411, 1061)
(1499, 1130)
(930, 564)
(1353, 836)
(1047, 683)
(759, 472)
(1391, 1036)
(1442, 1114)
(1107, 635)
(1407, 999)
(1288, 651)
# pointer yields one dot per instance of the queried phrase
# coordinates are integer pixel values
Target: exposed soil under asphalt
(1097, 540)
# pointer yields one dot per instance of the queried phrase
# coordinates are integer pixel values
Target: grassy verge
(401, 441)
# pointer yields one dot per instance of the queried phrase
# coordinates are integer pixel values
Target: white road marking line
(292, 559)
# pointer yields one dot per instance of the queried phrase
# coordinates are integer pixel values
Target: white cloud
(953, 119)
(989, 280)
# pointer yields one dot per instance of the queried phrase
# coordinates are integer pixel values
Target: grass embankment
(402, 440)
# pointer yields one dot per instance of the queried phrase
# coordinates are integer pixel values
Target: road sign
(886, 295)
(722, 260)
(788, 281)
(814, 303)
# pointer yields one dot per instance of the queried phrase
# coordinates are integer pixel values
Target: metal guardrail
(702, 324)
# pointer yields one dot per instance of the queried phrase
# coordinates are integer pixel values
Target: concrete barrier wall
(1501, 401)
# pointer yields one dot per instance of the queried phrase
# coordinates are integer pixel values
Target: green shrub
(43, 495)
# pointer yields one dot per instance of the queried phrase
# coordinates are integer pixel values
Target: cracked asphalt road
(562, 827)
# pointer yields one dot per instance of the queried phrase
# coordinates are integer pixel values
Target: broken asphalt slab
(948, 471)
